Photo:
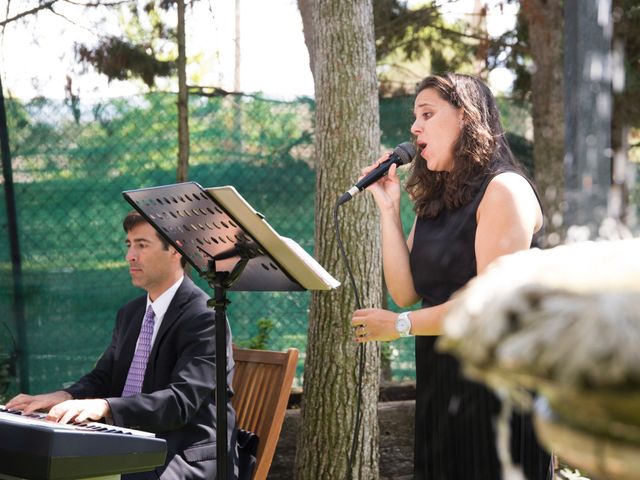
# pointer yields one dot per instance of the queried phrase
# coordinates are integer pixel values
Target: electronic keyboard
(34, 448)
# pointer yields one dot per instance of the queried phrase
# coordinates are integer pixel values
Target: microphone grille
(405, 152)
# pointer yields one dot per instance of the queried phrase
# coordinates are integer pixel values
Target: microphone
(401, 155)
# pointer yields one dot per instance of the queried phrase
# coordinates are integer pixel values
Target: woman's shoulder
(503, 185)
(511, 189)
(508, 181)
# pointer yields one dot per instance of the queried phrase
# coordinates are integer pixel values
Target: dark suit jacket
(177, 402)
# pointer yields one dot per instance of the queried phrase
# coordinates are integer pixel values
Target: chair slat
(262, 384)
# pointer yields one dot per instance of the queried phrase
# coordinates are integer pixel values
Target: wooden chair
(262, 384)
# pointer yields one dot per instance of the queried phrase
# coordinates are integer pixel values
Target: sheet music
(286, 251)
(311, 263)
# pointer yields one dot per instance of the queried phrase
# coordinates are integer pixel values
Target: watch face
(403, 325)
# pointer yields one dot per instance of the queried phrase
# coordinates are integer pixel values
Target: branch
(210, 91)
(44, 6)
(99, 3)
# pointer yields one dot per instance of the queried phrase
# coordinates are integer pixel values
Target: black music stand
(233, 248)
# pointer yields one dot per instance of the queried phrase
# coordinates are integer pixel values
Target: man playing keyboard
(158, 372)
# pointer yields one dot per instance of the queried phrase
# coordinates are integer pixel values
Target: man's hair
(134, 219)
(481, 148)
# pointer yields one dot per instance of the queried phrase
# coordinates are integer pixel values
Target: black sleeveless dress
(454, 432)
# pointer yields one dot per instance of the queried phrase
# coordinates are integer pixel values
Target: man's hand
(30, 403)
(79, 411)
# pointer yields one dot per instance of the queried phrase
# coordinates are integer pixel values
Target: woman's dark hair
(481, 149)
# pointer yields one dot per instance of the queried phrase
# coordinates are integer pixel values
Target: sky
(274, 58)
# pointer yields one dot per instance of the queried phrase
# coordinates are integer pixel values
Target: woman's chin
(436, 166)
(433, 166)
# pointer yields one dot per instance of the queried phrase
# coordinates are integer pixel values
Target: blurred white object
(563, 323)
(568, 314)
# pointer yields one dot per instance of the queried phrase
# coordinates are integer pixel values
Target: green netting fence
(72, 160)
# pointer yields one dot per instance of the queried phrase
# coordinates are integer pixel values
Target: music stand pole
(220, 282)
(219, 303)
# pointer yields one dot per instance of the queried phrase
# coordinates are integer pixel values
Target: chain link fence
(72, 160)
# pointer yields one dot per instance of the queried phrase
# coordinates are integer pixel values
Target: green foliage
(405, 34)
(138, 134)
(515, 116)
(511, 50)
(119, 59)
(146, 50)
(397, 118)
(8, 356)
(411, 31)
(7, 376)
(260, 341)
(523, 151)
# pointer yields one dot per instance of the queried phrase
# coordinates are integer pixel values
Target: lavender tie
(133, 385)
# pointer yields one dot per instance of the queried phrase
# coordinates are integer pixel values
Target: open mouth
(422, 146)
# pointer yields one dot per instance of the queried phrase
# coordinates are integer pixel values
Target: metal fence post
(16, 263)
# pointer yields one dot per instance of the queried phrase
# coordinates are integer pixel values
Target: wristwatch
(403, 324)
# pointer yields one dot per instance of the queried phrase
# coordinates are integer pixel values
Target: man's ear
(176, 250)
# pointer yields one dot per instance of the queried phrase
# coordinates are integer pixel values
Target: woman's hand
(386, 191)
(374, 324)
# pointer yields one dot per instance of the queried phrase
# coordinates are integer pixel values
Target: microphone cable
(361, 352)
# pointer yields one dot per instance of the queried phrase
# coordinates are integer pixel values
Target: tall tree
(183, 98)
(340, 37)
(122, 57)
(534, 52)
(626, 106)
(546, 29)
(526, 45)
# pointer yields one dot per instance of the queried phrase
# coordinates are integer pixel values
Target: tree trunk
(347, 139)
(479, 29)
(546, 27)
(306, 13)
(183, 100)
